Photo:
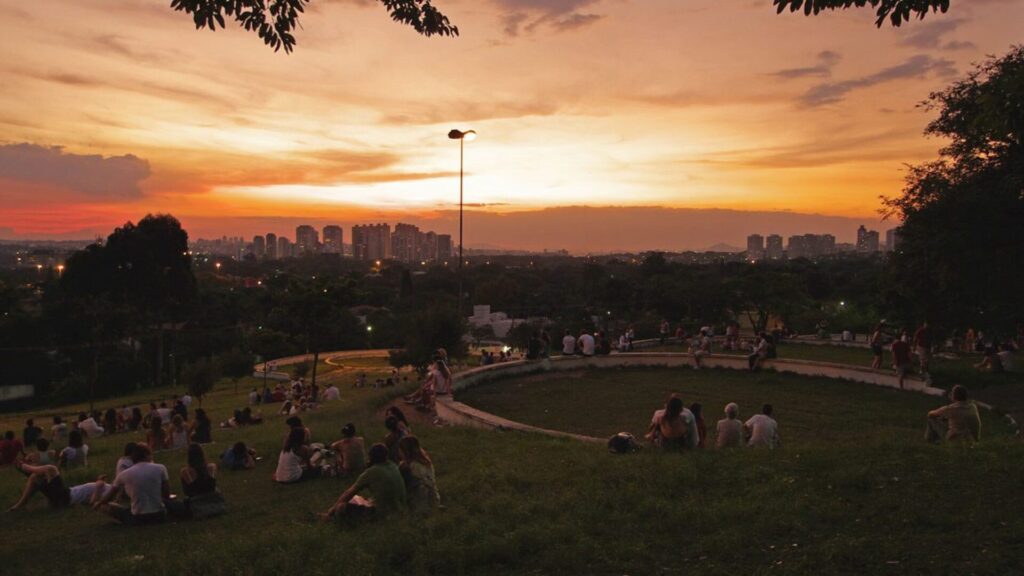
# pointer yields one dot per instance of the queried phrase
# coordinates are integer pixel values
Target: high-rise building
(404, 242)
(755, 247)
(892, 239)
(284, 247)
(271, 246)
(427, 247)
(444, 247)
(371, 242)
(259, 248)
(307, 240)
(333, 240)
(811, 245)
(773, 248)
(867, 240)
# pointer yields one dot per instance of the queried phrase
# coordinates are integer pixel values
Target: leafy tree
(236, 364)
(960, 240)
(275, 20)
(440, 326)
(301, 370)
(896, 11)
(199, 377)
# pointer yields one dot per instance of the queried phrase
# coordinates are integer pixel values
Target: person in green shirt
(381, 479)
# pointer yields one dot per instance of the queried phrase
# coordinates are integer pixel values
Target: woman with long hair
(668, 428)
(418, 472)
(201, 428)
(291, 462)
(198, 477)
(156, 437)
(177, 433)
(76, 453)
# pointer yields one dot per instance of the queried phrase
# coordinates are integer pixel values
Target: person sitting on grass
(384, 482)
(88, 425)
(288, 408)
(669, 427)
(762, 430)
(292, 462)
(418, 473)
(156, 436)
(331, 393)
(75, 455)
(177, 434)
(198, 477)
(395, 434)
(201, 428)
(350, 451)
(43, 455)
(47, 480)
(730, 429)
(125, 461)
(59, 431)
(11, 449)
(991, 362)
(296, 422)
(698, 420)
(147, 486)
(238, 457)
(31, 433)
(956, 421)
(403, 422)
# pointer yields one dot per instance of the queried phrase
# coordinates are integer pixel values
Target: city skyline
(155, 117)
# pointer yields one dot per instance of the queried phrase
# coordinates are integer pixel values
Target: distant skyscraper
(773, 249)
(404, 242)
(444, 247)
(892, 239)
(867, 240)
(333, 240)
(755, 247)
(259, 248)
(306, 239)
(284, 247)
(371, 242)
(811, 245)
(271, 246)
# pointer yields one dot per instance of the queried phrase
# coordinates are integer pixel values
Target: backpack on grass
(623, 443)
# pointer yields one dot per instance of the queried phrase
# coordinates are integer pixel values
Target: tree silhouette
(897, 11)
(275, 20)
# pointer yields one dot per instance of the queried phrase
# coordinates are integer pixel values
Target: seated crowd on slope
(676, 428)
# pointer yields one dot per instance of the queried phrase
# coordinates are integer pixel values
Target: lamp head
(468, 135)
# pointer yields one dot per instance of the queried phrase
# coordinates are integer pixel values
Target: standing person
(418, 473)
(147, 486)
(901, 357)
(545, 340)
(970, 338)
(568, 344)
(762, 429)
(663, 331)
(31, 433)
(923, 346)
(876, 347)
(586, 344)
(730, 429)
(956, 421)
(384, 482)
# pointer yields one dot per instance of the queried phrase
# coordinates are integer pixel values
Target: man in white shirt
(165, 413)
(762, 429)
(568, 344)
(88, 425)
(254, 397)
(147, 487)
(332, 393)
(186, 400)
(586, 342)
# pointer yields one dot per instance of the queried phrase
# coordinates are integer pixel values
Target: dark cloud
(113, 177)
(915, 67)
(559, 15)
(827, 59)
(958, 45)
(929, 35)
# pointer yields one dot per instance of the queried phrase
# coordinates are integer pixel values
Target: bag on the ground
(623, 443)
(207, 505)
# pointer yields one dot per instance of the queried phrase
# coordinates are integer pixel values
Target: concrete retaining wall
(462, 414)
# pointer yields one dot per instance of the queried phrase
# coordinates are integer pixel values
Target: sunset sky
(110, 109)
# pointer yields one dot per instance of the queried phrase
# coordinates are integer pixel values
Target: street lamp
(461, 137)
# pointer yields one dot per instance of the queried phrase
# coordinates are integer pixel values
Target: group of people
(438, 381)
(393, 475)
(676, 427)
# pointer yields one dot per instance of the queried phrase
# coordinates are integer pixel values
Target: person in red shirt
(901, 356)
(10, 449)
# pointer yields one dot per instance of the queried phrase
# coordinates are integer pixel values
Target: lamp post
(461, 136)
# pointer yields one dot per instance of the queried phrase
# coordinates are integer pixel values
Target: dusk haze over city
(524, 287)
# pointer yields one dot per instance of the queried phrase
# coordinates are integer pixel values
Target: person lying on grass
(382, 480)
(46, 479)
(147, 486)
(350, 451)
(293, 461)
(956, 421)
(418, 473)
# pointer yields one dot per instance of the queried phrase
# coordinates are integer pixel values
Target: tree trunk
(316, 360)
(160, 356)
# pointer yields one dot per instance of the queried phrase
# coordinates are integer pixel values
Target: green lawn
(526, 504)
